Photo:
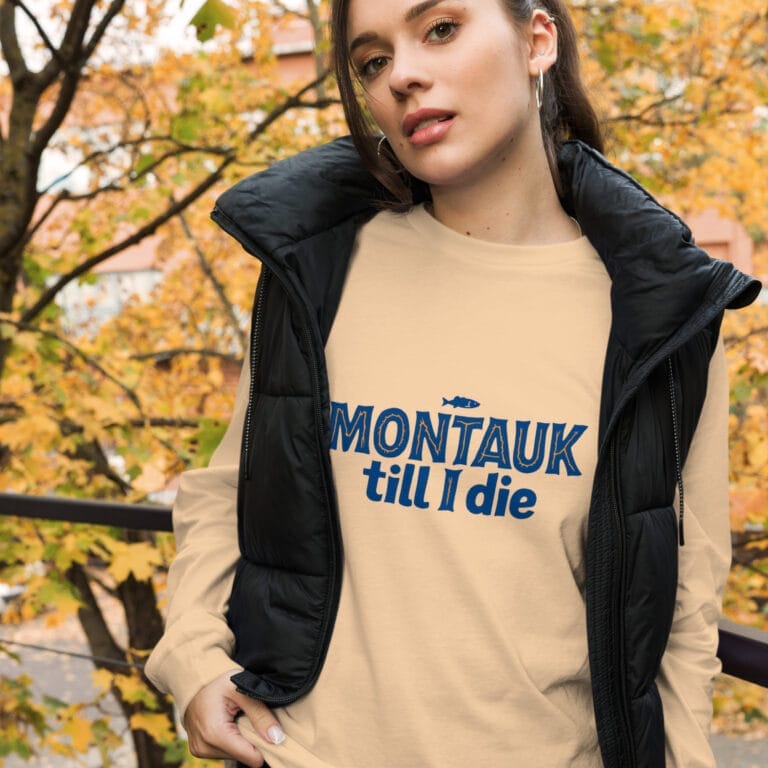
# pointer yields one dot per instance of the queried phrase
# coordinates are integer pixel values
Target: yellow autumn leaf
(139, 558)
(102, 679)
(56, 618)
(79, 731)
(69, 552)
(151, 479)
(131, 687)
(156, 725)
(26, 340)
(42, 427)
(758, 453)
(53, 742)
(16, 386)
(107, 411)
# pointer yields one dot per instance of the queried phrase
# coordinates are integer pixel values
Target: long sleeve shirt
(465, 383)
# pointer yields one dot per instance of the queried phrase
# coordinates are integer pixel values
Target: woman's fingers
(261, 717)
(212, 730)
(226, 743)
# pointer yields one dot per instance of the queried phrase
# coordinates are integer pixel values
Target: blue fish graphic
(461, 402)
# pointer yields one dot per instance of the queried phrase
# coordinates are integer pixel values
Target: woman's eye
(373, 66)
(441, 30)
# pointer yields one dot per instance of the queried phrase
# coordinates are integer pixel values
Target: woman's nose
(408, 73)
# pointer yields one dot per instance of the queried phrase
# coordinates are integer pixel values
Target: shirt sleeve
(690, 664)
(197, 644)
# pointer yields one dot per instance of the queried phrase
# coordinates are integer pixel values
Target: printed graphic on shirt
(421, 459)
(461, 402)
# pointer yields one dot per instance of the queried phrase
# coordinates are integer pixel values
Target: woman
(494, 416)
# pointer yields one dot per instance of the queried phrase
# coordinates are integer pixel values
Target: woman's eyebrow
(420, 8)
(410, 15)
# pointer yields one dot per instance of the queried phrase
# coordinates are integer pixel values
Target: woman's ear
(542, 42)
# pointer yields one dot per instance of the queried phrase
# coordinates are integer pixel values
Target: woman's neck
(517, 204)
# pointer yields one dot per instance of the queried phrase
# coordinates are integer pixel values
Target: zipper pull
(676, 437)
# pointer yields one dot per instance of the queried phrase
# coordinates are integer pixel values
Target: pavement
(68, 679)
(739, 753)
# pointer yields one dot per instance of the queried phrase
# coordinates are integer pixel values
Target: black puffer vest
(300, 218)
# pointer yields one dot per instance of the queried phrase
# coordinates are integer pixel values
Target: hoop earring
(540, 90)
(379, 153)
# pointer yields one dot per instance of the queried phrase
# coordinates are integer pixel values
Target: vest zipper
(618, 516)
(325, 461)
(334, 538)
(624, 725)
(254, 358)
(676, 437)
(335, 541)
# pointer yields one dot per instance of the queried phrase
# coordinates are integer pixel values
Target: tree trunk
(145, 626)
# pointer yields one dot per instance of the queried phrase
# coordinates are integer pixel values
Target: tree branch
(661, 123)
(733, 339)
(67, 92)
(318, 103)
(320, 62)
(742, 538)
(71, 60)
(40, 31)
(157, 421)
(70, 50)
(205, 265)
(754, 568)
(640, 116)
(286, 11)
(106, 588)
(87, 359)
(179, 150)
(290, 103)
(173, 210)
(168, 354)
(114, 9)
(91, 451)
(49, 294)
(9, 44)
(100, 639)
(31, 231)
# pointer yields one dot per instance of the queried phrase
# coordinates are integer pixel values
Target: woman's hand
(210, 723)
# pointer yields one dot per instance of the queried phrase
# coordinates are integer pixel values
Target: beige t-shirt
(465, 382)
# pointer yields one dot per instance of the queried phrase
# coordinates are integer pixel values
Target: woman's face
(450, 82)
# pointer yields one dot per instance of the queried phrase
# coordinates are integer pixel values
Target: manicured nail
(276, 735)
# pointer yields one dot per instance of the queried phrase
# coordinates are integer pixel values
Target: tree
(114, 409)
(683, 88)
(742, 707)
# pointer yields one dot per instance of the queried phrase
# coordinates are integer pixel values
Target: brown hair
(565, 114)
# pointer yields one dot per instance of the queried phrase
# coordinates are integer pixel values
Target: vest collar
(659, 276)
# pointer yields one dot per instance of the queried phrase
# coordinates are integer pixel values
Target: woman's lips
(427, 126)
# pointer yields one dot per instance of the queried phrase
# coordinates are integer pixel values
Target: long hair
(566, 112)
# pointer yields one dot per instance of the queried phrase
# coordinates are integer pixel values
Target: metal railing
(137, 517)
(743, 651)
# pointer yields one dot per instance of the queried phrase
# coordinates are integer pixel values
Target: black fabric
(300, 218)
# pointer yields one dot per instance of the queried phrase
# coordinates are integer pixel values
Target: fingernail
(276, 735)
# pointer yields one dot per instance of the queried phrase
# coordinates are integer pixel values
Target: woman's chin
(450, 171)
